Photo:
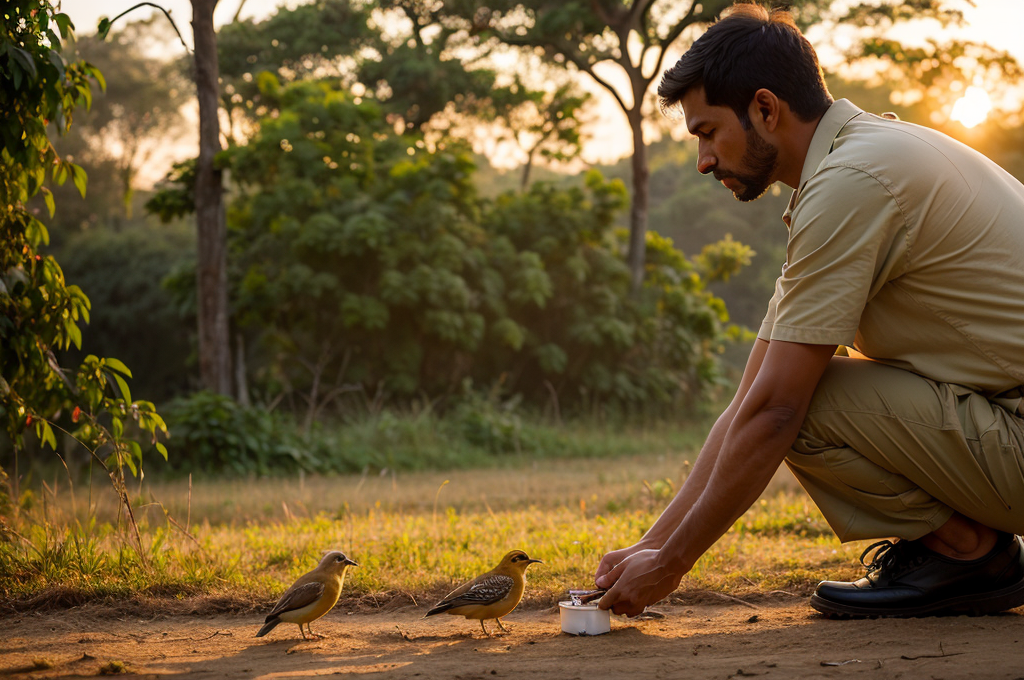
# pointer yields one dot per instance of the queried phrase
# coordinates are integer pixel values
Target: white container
(584, 619)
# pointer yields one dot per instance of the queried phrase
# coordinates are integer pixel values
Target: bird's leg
(301, 630)
(315, 635)
(500, 625)
(482, 625)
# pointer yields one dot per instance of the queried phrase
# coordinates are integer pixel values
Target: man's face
(739, 158)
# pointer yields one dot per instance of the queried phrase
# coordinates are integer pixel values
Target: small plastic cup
(584, 619)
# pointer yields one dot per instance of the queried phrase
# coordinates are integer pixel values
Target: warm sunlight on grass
(414, 536)
(973, 108)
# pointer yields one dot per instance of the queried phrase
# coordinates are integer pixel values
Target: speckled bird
(311, 596)
(491, 595)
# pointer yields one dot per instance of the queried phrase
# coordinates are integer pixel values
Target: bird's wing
(487, 590)
(297, 597)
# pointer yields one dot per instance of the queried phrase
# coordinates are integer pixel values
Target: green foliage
(131, 119)
(290, 44)
(175, 196)
(418, 76)
(719, 261)
(367, 256)
(491, 425)
(39, 312)
(37, 86)
(159, 349)
(213, 433)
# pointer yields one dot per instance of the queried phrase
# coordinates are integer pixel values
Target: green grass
(236, 544)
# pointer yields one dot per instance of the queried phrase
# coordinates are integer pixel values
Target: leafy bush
(212, 432)
(492, 426)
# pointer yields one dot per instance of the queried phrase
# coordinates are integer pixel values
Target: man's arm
(695, 482)
(756, 441)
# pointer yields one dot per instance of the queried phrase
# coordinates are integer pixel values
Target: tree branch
(104, 28)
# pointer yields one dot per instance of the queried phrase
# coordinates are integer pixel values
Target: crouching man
(906, 246)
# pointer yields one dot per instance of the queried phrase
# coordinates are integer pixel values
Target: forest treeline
(375, 261)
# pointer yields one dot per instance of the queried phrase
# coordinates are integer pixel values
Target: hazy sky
(998, 22)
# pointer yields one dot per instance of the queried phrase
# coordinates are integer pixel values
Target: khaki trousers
(884, 452)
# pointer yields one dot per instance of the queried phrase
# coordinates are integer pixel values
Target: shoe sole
(981, 604)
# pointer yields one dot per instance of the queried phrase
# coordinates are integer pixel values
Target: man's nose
(706, 160)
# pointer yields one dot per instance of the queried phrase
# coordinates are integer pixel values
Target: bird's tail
(268, 626)
(438, 608)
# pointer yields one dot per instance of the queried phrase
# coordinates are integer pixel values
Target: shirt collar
(831, 124)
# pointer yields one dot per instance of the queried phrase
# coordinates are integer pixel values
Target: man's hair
(749, 48)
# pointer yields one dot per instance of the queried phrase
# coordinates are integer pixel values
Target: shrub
(212, 432)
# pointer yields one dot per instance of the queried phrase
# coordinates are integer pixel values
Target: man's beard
(759, 160)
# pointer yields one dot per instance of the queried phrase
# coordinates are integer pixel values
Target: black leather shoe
(906, 579)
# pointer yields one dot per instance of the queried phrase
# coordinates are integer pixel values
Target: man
(906, 246)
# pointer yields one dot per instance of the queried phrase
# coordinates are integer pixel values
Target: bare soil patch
(772, 639)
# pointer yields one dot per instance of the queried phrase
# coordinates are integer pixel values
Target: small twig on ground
(192, 639)
(736, 600)
(783, 592)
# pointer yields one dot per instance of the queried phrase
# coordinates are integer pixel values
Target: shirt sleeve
(765, 332)
(847, 238)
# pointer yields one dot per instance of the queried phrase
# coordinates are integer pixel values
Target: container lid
(567, 604)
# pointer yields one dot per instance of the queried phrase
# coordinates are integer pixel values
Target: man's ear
(764, 110)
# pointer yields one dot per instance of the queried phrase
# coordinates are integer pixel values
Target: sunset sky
(998, 22)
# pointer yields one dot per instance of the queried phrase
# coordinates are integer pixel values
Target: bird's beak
(532, 561)
(351, 563)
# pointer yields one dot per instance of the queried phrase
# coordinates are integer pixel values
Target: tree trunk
(638, 207)
(241, 379)
(211, 272)
(524, 178)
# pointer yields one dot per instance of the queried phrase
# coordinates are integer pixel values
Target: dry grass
(236, 545)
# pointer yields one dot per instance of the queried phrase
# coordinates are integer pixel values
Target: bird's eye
(338, 558)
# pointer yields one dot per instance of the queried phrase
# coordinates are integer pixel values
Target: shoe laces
(888, 556)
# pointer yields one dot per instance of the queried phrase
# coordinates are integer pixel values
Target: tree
(40, 312)
(211, 241)
(547, 123)
(208, 190)
(632, 37)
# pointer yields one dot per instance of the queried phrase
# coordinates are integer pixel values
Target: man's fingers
(608, 562)
(608, 582)
(612, 600)
(611, 575)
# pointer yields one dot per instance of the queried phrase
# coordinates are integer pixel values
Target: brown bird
(491, 595)
(311, 596)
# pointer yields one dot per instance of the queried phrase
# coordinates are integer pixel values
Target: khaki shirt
(907, 246)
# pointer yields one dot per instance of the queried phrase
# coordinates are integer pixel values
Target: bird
(311, 596)
(491, 595)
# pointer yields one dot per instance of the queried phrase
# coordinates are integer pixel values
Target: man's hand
(602, 578)
(639, 580)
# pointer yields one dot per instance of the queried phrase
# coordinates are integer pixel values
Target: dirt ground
(732, 640)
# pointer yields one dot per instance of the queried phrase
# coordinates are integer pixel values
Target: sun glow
(973, 108)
